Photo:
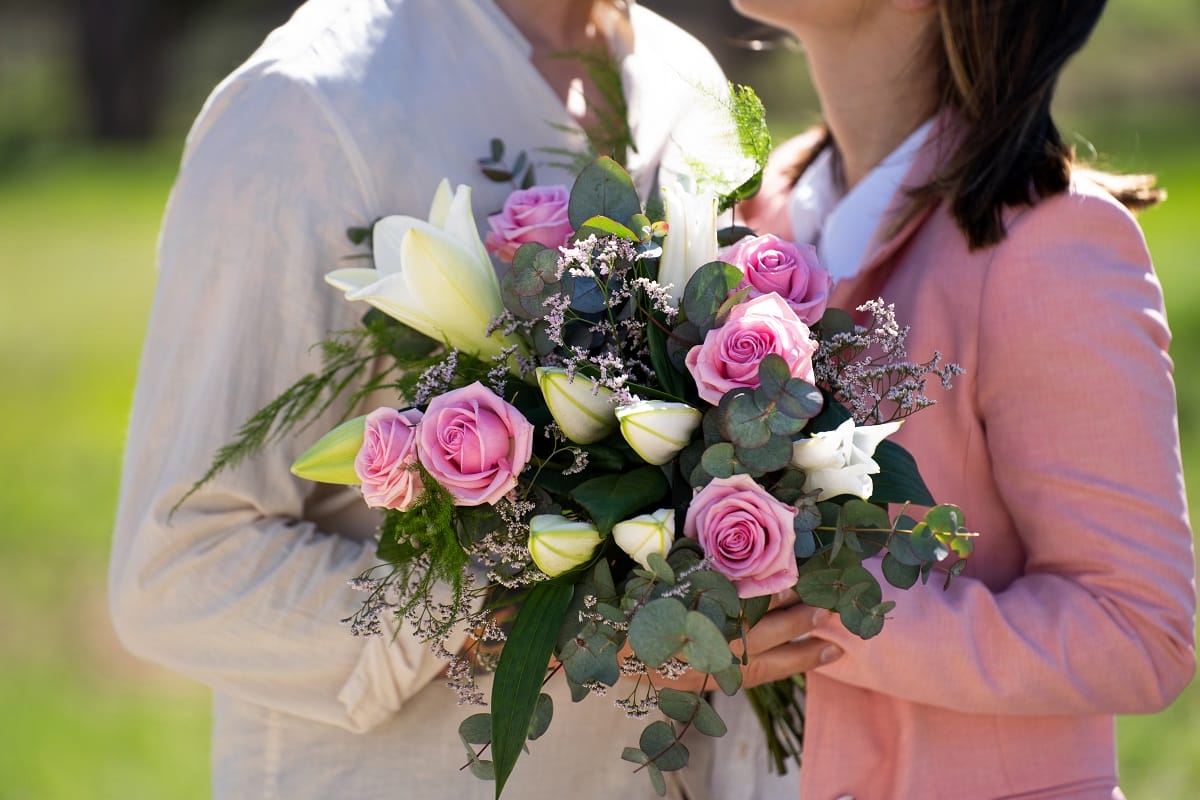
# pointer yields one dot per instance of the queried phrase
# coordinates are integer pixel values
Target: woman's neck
(875, 90)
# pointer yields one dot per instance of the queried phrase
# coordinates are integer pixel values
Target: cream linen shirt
(352, 110)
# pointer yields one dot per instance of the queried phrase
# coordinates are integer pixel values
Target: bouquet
(602, 466)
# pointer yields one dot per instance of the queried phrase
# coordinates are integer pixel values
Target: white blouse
(352, 110)
(842, 224)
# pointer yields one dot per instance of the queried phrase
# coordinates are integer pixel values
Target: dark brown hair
(998, 63)
(998, 66)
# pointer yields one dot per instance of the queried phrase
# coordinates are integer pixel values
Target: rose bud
(656, 429)
(331, 458)
(581, 409)
(646, 534)
(558, 544)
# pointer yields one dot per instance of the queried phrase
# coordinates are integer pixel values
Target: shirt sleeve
(239, 588)
(1076, 395)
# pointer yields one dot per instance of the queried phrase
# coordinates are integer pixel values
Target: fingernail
(830, 653)
(819, 616)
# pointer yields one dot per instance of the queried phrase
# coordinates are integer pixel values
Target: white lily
(434, 276)
(691, 240)
(558, 544)
(841, 461)
(656, 429)
(583, 411)
(646, 534)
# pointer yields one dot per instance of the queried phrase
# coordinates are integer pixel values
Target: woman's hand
(779, 646)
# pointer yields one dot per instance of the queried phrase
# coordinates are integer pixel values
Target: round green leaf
(706, 649)
(679, 706)
(543, 712)
(476, 729)
(899, 574)
(743, 421)
(659, 742)
(719, 461)
(775, 454)
(658, 630)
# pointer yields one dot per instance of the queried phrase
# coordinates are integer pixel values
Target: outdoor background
(95, 98)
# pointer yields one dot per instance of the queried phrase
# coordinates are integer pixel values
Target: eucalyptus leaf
(604, 226)
(677, 705)
(706, 648)
(476, 729)
(772, 456)
(483, 769)
(543, 712)
(658, 630)
(713, 584)
(861, 515)
(603, 187)
(635, 755)
(820, 587)
(706, 291)
(657, 781)
(899, 574)
(729, 679)
(743, 421)
(719, 460)
(659, 742)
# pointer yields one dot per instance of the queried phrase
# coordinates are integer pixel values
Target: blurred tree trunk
(123, 46)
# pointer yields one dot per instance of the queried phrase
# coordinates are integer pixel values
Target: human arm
(239, 588)
(1075, 395)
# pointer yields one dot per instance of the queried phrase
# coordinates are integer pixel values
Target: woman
(941, 184)
(352, 110)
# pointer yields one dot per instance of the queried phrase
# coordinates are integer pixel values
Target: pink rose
(474, 444)
(385, 462)
(729, 356)
(771, 264)
(537, 214)
(746, 533)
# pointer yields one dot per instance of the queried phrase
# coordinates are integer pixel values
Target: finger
(787, 597)
(784, 625)
(787, 660)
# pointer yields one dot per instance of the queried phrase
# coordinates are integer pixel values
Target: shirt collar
(842, 226)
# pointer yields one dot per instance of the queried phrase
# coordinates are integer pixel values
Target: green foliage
(609, 499)
(519, 675)
(705, 294)
(604, 189)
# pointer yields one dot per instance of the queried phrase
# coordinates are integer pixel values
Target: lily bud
(558, 544)
(646, 534)
(691, 239)
(331, 458)
(583, 416)
(656, 429)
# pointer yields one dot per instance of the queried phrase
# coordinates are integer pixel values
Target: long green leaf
(521, 670)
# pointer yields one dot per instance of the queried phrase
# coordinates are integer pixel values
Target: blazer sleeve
(239, 589)
(1076, 396)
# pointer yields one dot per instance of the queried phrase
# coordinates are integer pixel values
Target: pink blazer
(1060, 444)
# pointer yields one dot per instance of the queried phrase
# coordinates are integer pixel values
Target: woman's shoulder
(1086, 211)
